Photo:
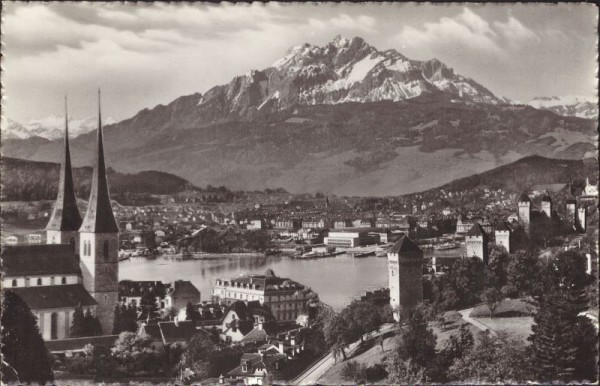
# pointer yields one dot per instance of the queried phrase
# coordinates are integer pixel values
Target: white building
(346, 238)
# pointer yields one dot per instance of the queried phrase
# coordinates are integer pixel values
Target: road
(465, 315)
(312, 375)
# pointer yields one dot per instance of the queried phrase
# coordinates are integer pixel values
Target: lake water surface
(336, 279)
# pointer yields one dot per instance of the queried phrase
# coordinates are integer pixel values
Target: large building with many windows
(286, 298)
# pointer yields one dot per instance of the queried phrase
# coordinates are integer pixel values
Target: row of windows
(87, 248)
(39, 281)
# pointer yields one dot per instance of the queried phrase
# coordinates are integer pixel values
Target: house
(168, 333)
(254, 368)
(131, 292)
(210, 314)
(180, 293)
(246, 322)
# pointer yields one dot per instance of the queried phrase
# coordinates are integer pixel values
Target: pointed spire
(99, 217)
(65, 216)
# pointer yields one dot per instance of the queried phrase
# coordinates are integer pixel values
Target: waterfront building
(288, 224)
(405, 271)
(347, 238)
(284, 297)
(476, 242)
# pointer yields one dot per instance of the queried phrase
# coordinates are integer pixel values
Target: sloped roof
(77, 344)
(476, 230)
(57, 296)
(181, 332)
(184, 288)
(39, 259)
(254, 361)
(134, 288)
(503, 226)
(524, 197)
(405, 244)
(255, 335)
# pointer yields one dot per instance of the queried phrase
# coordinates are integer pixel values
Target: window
(51, 280)
(26, 282)
(14, 282)
(54, 325)
(105, 249)
(63, 280)
(39, 281)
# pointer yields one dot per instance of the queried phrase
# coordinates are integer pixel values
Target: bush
(352, 370)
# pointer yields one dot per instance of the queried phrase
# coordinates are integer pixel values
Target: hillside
(24, 180)
(526, 173)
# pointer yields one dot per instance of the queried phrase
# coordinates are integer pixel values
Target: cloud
(469, 31)
(360, 23)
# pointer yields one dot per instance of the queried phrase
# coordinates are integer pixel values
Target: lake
(337, 280)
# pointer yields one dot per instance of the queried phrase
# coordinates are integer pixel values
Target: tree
(362, 317)
(91, 324)
(336, 333)
(457, 346)
(416, 340)
(557, 345)
(462, 286)
(136, 353)
(191, 313)
(500, 359)
(24, 355)
(148, 304)
(78, 325)
(497, 267)
(523, 271)
(493, 297)
(405, 372)
(197, 355)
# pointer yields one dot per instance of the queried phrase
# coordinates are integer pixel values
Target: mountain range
(344, 118)
(50, 128)
(570, 106)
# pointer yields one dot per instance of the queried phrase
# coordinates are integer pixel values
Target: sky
(142, 55)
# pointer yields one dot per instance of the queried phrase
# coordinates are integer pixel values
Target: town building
(347, 238)
(246, 321)
(405, 271)
(590, 190)
(284, 297)
(169, 333)
(476, 242)
(52, 278)
(180, 293)
(255, 368)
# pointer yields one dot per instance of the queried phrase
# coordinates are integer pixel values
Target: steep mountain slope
(343, 118)
(569, 106)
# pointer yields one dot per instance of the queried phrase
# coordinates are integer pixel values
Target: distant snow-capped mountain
(52, 127)
(570, 106)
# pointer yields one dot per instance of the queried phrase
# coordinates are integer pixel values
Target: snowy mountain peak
(51, 127)
(568, 105)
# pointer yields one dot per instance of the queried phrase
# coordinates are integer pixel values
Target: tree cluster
(84, 324)
(125, 319)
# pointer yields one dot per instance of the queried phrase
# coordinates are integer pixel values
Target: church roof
(55, 296)
(476, 230)
(524, 198)
(405, 245)
(65, 216)
(39, 259)
(503, 226)
(99, 217)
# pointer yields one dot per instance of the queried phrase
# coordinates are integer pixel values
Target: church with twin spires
(78, 267)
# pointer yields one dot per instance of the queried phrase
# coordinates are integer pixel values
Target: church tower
(99, 242)
(65, 221)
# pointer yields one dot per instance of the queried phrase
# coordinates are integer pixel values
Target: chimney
(281, 347)
(221, 379)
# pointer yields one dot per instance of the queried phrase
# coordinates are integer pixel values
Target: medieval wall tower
(63, 227)
(99, 242)
(502, 234)
(405, 271)
(524, 211)
(547, 205)
(476, 242)
(581, 219)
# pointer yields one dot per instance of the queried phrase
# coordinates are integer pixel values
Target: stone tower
(502, 234)
(405, 271)
(476, 242)
(65, 221)
(99, 242)
(571, 216)
(524, 210)
(547, 205)
(581, 219)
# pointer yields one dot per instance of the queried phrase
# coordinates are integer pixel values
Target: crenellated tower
(65, 221)
(99, 241)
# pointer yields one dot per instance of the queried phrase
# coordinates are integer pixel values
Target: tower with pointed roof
(405, 271)
(547, 205)
(476, 242)
(65, 221)
(99, 241)
(524, 210)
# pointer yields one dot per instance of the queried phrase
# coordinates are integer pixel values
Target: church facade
(79, 265)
